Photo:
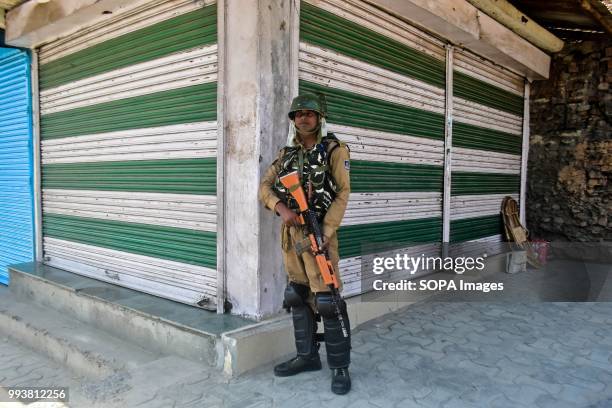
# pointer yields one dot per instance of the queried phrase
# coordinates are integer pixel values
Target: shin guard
(304, 324)
(338, 347)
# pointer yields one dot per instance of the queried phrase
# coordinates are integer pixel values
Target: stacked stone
(569, 191)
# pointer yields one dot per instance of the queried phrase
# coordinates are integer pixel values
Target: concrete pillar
(257, 89)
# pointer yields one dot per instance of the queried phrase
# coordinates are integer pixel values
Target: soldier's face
(306, 121)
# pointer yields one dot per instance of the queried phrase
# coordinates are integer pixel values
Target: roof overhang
(6, 5)
(462, 24)
(34, 23)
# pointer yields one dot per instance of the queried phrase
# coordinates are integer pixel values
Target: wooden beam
(592, 10)
(509, 16)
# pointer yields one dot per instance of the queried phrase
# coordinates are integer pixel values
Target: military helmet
(308, 101)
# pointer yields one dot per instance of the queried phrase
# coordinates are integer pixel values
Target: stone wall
(570, 158)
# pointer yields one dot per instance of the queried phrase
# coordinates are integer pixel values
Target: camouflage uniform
(324, 173)
(330, 200)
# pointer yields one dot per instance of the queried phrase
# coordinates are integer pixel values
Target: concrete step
(155, 324)
(84, 349)
(228, 343)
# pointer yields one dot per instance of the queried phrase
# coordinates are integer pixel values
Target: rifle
(308, 218)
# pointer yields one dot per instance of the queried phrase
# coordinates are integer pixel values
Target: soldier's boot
(337, 345)
(305, 327)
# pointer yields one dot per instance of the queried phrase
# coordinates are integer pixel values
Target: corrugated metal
(475, 90)
(384, 83)
(184, 176)
(481, 115)
(482, 161)
(486, 83)
(129, 146)
(351, 109)
(374, 145)
(366, 17)
(486, 155)
(329, 68)
(179, 33)
(370, 177)
(484, 183)
(118, 25)
(386, 207)
(192, 140)
(353, 237)
(468, 229)
(471, 64)
(472, 206)
(476, 137)
(16, 206)
(475, 209)
(178, 281)
(195, 212)
(178, 70)
(195, 103)
(175, 244)
(354, 39)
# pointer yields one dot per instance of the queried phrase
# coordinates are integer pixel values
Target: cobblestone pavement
(20, 367)
(429, 355)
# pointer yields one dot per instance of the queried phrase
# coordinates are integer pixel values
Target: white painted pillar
(221, 260)
(36, 181)
(448, 145)
(294, 33)
(257, 90)
(524, 158)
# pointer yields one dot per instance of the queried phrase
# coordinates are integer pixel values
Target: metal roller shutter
(129, 150)
(385, 86)
(16, 211)
(486, 152)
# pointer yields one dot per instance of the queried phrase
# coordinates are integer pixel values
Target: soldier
(323, 164)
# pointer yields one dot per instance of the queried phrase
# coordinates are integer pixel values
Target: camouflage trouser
(303, 268)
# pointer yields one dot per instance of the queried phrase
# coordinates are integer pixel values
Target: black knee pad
(325, 305)
(295, 295)
(304, 324)
(337, 330)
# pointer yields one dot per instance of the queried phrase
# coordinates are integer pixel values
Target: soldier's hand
(325, 245)
(289, 217)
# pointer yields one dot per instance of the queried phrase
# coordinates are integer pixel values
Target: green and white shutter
(486, 146)
(129, 150)
(385, 86)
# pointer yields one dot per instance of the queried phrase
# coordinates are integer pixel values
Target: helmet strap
(291, 134)
(323, 127)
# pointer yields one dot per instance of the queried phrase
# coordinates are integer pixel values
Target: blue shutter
(16, 213)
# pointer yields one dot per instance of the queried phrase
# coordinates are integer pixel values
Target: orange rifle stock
(292, 183)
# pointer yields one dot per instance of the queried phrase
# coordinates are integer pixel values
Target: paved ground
(20, 367)
(429, 355)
